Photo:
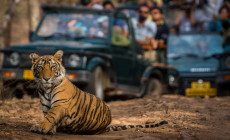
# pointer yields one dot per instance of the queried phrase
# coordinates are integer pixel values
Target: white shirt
(210, 9)
(148, 29)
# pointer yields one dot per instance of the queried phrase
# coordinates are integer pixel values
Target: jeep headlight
(172, 79)
(227, 62)
(74, 60)
(14, 59)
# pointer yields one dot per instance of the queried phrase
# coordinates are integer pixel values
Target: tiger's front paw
(52, 131)
(43, 128)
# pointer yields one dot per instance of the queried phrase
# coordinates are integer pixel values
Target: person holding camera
(221, 21)
(221, 24)
(187, 20)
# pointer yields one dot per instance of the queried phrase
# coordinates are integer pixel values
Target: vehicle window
(74, 25)
(132, 13)
(198, 45)
(120, 34)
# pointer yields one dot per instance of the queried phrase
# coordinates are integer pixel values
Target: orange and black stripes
(87, 112)
(66, 106)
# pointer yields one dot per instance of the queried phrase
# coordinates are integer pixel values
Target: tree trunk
(33, 13)
(8, 7)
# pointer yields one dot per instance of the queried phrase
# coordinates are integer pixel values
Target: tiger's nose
(46, 79)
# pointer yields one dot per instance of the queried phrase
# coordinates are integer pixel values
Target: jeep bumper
(198, 84)
(223, 77)
(77, 76)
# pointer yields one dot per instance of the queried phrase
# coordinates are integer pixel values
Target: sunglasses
(144, 12)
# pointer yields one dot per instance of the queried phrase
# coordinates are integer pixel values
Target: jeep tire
(95, 85)
(154, 87)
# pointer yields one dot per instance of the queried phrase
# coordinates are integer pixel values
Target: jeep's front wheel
(95, 85)
(154, 87)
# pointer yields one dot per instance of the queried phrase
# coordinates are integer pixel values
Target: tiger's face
(48, 70)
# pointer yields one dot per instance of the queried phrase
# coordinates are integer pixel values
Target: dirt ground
(189, 118)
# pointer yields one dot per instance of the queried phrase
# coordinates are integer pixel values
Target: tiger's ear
(58, 55)
(34, 57)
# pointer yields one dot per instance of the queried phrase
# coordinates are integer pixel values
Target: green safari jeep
(100, 54)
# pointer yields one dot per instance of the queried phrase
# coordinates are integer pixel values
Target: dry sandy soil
(189, 118)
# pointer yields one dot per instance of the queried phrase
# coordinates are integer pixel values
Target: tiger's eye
(39, 67)
(54, 66)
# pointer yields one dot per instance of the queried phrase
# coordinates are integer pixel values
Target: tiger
(66, 107)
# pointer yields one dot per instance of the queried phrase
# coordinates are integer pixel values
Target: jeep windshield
(194, 45)
(74, 26)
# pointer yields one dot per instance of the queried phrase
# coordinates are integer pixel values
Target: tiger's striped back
(89, 113)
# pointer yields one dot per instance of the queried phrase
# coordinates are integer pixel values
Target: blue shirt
(218, 25)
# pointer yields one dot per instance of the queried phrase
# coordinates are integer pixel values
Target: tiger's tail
(124, 127)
